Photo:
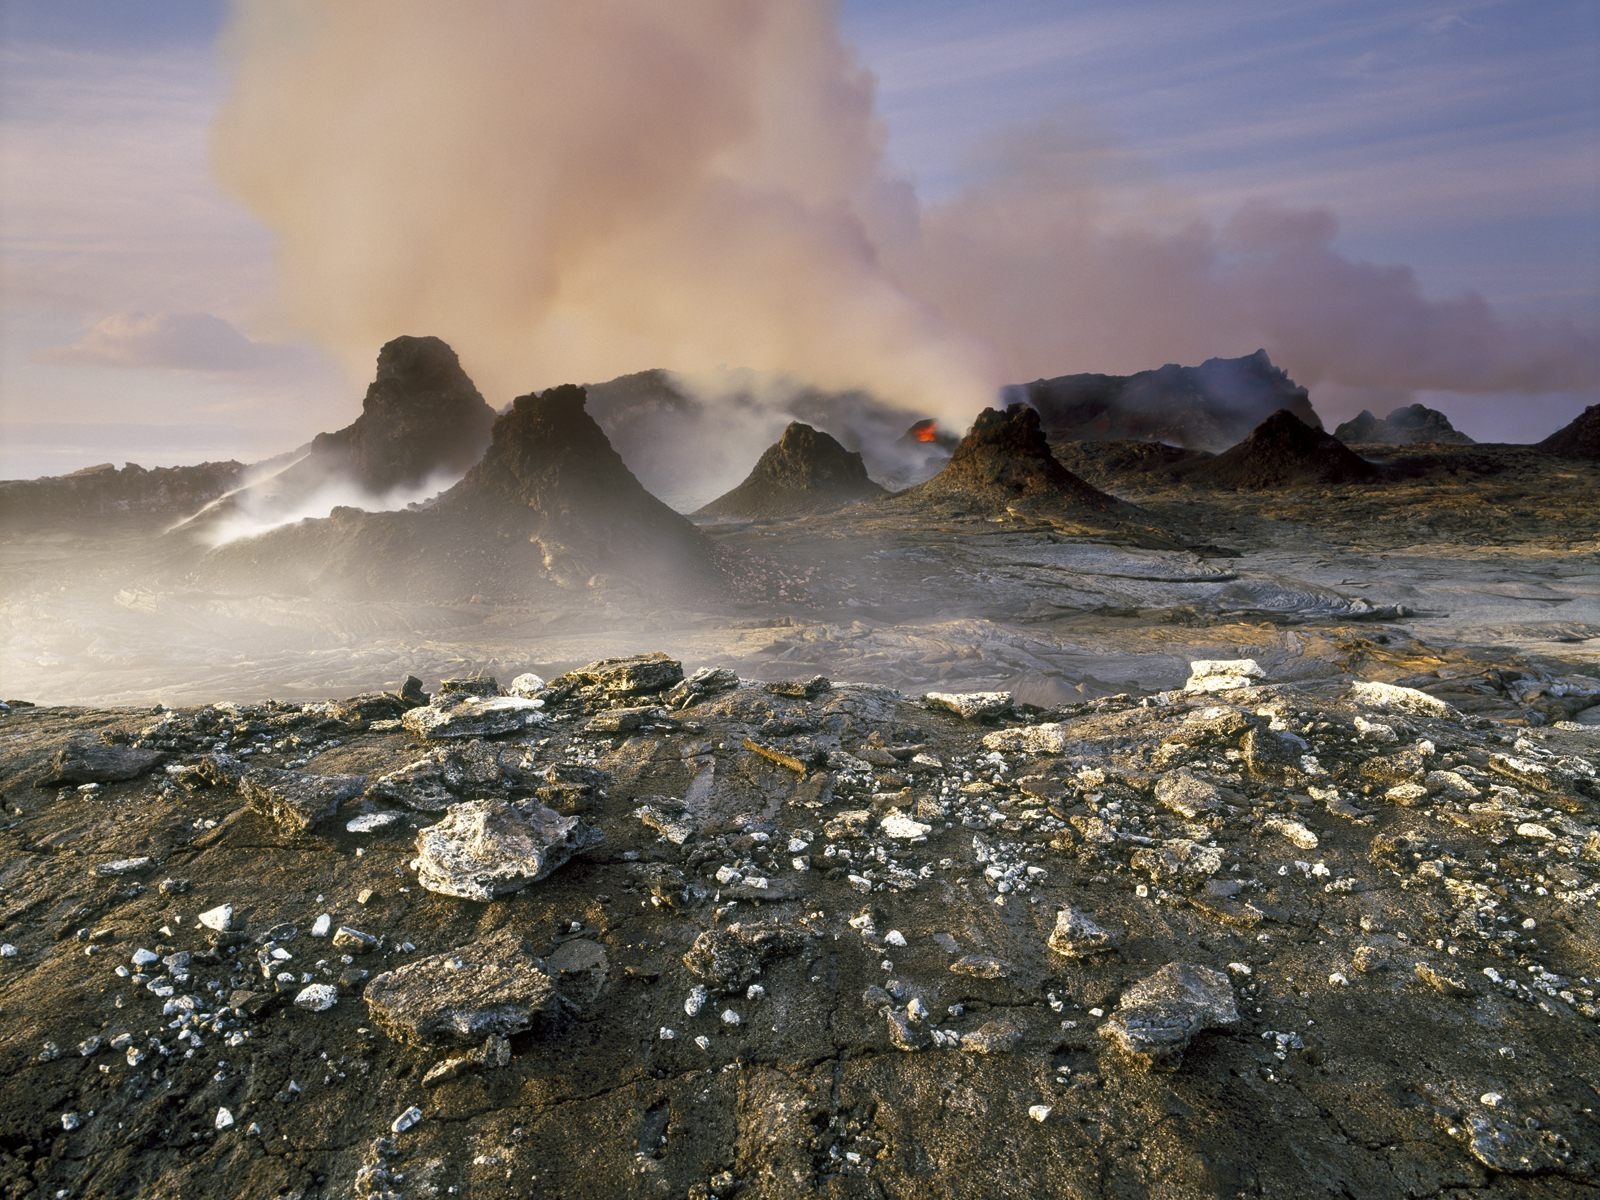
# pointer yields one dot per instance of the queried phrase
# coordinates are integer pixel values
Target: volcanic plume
(806, 471)
(576, 191)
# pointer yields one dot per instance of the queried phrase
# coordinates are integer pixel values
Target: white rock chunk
(1391, 698)
(1223, 674)
(219, 918)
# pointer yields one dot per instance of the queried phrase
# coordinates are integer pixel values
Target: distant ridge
(1413, 424)
(1209, 407)
(1579, 438)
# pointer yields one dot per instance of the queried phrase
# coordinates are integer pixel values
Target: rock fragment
(971, 706)
(1160, 1015)
(490, 987)
(1048, 738)
(701, 685)
(1392, 698)
(1185, 793)
(1223, 675)
(488, 848)
(463, 715)
(1077, 935)
(616, 679)
(88, 760)
(295, 799)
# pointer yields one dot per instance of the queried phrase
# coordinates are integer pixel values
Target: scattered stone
(980, 966)
(1297, 833)
(1160, 1015)
(992, 1037)
(774, 755)
(410, 1119)
(219, 918)
(527, 685)
(352, 941)
(1185, 793)
(488, 848)
(317, 997)
(902, 828)
(1039, 1112)
(121, 866)
(1077, 935)
(489, 987)
(617, 678)
(700, 686)
(223, 1120)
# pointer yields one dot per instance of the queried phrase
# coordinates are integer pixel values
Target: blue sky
(1459, 139)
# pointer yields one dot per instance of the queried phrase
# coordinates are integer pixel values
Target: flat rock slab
(1390, 697)
(490, 988)
(463, 715)
(1160, 1015)
(449, 774)
(488, 848)
(971, 706)
(88, 760)
(295, 799)
(641, 675)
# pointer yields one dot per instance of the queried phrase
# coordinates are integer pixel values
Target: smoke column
(571, 191)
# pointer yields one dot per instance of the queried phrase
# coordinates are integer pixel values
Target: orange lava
(925, 431)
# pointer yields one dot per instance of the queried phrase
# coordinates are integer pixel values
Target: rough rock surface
(1579, 438)
(805, 471)
(463, 715)
(488, 848)
(489, 988)
(1409, 425)
(103, 496)
(793, 999)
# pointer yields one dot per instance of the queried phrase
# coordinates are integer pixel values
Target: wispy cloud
(183, 341)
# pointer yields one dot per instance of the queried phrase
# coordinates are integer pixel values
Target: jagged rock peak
(1579, 438)
(1412, 424)
(1209, 407)
(805, 470)
(1283, 451)
(1005, 457)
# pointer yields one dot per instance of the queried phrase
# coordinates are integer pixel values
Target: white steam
(569, 191)
(259, 507)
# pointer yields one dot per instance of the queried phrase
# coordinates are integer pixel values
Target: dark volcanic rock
(1413, 424)
(1579, 438)
(1160, 1015)
(551, 479)
(422, 421)
(1003, 460)
(806, 471)
(421, 417)
(1283, 451)
(549, 505)
(1208, 407)
(488, 848)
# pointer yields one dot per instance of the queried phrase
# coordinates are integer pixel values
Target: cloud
(180, 341)
(573, 192)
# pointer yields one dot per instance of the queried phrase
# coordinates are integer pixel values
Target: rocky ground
(627, 933)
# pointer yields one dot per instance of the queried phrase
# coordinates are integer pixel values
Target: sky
(142, 313)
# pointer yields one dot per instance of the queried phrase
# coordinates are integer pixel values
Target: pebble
(121, 866)
(317, 997)
(406, 1120)
(224, 1119)
(695, 1003)
(144, 958)
(322, 926)
(219, 918)
(7, 950)
(71, 1121)
(367, 822)
(1040, 1112)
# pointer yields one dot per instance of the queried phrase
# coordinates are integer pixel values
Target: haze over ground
(1398, 201)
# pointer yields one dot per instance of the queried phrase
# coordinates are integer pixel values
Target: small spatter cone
(805, 471)
(1283, 451)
